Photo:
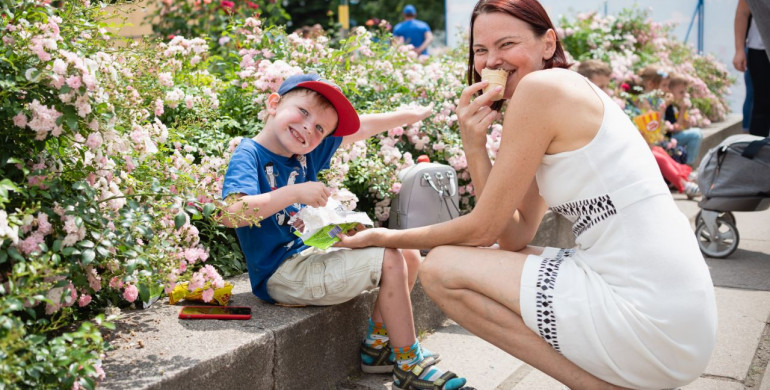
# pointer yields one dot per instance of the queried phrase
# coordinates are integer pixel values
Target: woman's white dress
(633, 302)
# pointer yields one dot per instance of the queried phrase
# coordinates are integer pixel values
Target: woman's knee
(432, 266)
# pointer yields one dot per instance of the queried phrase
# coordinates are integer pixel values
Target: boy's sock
(377, 335)
(408, 357)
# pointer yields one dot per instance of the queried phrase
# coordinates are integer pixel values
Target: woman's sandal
(380, 359)
(410, 380)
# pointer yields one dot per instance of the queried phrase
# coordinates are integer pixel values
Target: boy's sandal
(381, 358)
(381, 363)
(410, 380)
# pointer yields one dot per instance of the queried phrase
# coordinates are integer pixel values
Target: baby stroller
(734, 176)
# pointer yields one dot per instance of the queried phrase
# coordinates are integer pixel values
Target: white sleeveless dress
(633, 302)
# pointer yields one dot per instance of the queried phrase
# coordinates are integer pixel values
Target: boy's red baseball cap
(347, 118)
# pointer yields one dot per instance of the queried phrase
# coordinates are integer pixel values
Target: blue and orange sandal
(410, 380)
(381, 360)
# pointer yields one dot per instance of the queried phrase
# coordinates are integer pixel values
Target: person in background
(598, 72)
(676, 174)
(760, 11)
(677, 106)
(751, 54)
(415, 32)
(748, 101)
(654, 80)
(632, 303)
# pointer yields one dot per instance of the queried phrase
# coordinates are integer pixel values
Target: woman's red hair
(530, 12)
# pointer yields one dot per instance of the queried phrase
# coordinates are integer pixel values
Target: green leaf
(12, 304)
(104, 252)
(180, 219)
(72, 122)
(86, 244)
(88, 256)
(69, 251)
(208, 209)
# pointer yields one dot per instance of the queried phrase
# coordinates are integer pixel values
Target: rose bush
(114, 152)
(212, 17)
(630, 41)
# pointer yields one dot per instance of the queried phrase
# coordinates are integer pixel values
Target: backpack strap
(753, 148)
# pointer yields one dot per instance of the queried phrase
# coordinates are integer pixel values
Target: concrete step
(296, 348)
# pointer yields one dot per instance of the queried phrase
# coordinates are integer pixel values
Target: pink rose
(130, 293)
(208, 295)
(20, 120)
(84, 300)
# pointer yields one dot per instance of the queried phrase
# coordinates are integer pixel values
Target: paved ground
(742, 285)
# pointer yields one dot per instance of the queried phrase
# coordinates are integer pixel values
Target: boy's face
(299, 120)
(679, 92)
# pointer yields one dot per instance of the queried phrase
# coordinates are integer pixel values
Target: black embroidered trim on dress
(588, 212)
(546, 283)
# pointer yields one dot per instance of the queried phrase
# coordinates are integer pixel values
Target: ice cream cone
(495, 77)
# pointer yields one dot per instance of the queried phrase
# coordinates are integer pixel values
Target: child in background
(598, 72)
(653, 78)
(307, 120)
(678, 175)
(677, 104)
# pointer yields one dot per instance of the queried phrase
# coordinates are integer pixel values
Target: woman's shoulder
(560, 88)
(553, 78)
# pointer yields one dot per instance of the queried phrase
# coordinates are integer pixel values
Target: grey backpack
(428, 196)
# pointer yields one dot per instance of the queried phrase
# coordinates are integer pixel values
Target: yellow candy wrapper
(221, 295)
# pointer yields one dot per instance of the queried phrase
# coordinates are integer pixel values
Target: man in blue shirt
(414, 31)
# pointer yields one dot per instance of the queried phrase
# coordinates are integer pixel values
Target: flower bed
(114, 154)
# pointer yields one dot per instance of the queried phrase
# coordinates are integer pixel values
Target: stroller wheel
(721, 242)
(728, 215)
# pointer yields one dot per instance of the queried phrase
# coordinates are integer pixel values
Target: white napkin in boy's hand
(322, 224)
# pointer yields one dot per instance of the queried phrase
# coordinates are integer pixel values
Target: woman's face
(502, 41)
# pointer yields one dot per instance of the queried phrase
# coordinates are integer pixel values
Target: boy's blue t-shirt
(254, 170)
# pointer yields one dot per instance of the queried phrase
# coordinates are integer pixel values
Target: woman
(633, 304)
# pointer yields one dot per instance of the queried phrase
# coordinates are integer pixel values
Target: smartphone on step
(215, 312)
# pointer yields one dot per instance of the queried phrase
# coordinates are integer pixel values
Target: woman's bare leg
(480, 290)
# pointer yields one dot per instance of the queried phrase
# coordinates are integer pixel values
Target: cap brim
(347, 117)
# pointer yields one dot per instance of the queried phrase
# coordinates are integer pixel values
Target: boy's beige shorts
(336, 276)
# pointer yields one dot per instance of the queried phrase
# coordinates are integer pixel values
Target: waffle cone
(495, 77)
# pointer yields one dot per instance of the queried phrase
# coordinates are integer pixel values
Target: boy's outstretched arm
(372, 124)
(243, 210)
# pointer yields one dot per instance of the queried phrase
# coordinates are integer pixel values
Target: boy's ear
(272, 103)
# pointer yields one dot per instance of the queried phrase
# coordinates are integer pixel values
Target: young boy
(307, 120)
(677, 104)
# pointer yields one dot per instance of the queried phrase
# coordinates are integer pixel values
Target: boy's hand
(423, 112)
(311, 193)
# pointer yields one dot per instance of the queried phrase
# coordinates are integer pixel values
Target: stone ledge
(279, 348)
